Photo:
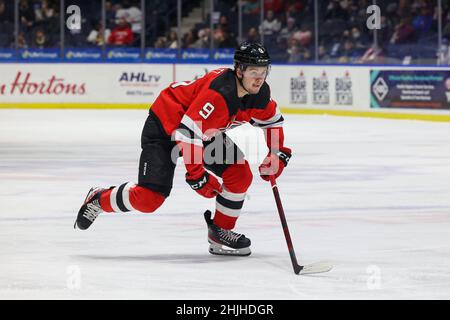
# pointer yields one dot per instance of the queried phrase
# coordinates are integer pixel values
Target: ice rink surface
(370, 195)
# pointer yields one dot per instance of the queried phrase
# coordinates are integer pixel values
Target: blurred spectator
(134, 18)
(121, 34)
(95, 37)
(271, 25)
(172, 40)
(303, 36)
(359, 39)
(203, 39)
(188, 40)
(22, 41)
(120, 11)
(133, 15)
(26, 15)
(110, 13)
(45, 11)
(335, 10)
(223, 22)
(423, 22)
(6, 28)
(224, 39)
(297, 53)
(40, 39)
(50, 17)
(323, 55)
(160, 43)
(348, 53)
(288, 31)
(253, 35)
(293, 8)
(404, 32)
(3, 14)
(357, 14)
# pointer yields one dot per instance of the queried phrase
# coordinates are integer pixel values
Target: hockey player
(188, 119)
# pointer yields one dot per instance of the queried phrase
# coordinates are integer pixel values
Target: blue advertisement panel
(7, 55)
(223, 56)
(123, 54)
(423, 89)
(161, 55)
(40, 55)
(195, 55)
(82, 55)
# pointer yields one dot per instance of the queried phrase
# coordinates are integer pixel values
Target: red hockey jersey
(211, 102)
(195, 111)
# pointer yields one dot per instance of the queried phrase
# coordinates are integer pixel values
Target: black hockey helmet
(251, 54)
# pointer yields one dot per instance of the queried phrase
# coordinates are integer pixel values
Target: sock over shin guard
(236, 180)
(129, 197)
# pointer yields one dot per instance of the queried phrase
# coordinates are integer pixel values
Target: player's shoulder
(224, 86)
(223, 82)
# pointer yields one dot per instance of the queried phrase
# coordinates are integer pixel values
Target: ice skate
(90, 209)
(226, 242)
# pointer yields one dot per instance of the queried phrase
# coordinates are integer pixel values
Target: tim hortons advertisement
(420, 89)
(72, 83)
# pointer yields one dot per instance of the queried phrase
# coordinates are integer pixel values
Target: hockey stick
(298, 269)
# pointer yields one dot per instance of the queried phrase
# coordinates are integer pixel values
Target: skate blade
(219, 249)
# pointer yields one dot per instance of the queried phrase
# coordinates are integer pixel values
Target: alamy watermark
(374, 280)
(374, 20)
(73, 281)
(73, 22)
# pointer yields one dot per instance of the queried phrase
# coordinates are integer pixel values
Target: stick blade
(318, 267)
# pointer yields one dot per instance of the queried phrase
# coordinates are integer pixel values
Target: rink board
(363, 91)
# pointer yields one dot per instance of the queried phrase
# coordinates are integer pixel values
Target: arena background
(334, 57)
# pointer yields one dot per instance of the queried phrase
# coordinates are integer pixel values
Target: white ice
(370, 195)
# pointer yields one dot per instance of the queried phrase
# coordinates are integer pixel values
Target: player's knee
(146, 200)
(238, 177)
